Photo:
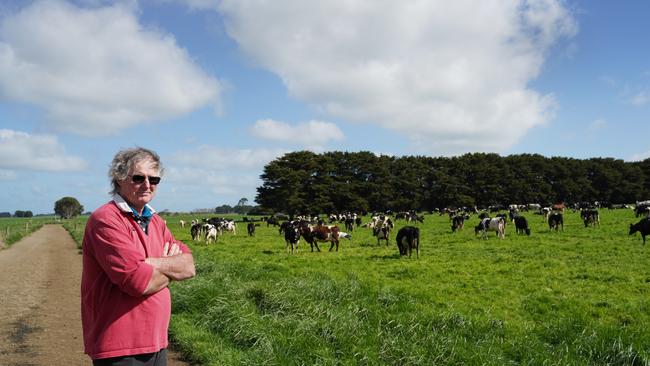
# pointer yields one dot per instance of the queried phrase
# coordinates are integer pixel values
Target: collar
(124, 206)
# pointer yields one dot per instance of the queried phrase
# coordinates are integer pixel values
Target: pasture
(577, 297)
(12, 229)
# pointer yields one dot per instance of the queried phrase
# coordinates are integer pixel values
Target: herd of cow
(314, 230)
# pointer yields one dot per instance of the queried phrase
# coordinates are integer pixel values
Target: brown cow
(321, 233)
(558, 207)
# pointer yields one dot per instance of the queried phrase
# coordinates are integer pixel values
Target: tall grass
(76, 227)
(576, 297)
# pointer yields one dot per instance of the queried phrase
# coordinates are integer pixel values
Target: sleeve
(121, 256)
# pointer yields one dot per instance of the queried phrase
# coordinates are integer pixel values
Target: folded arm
(173, 265)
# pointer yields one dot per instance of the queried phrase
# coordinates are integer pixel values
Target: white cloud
(640, 156)
(7, 175)
(312, 134)
(640, 99)
(208, 172)
(97, 71)
(451, 75)
(20, 150)
(597, 125)
(209, 158)
(198, 4)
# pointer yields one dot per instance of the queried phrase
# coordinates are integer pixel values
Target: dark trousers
(148, 359)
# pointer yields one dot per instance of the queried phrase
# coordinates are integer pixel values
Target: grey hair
(125, 159)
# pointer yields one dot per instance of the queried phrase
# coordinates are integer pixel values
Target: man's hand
(168, 252)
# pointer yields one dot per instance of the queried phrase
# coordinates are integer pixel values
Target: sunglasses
(141, 178)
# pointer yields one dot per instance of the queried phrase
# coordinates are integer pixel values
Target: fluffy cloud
(640, 99)
(597, 125)
(210, 158)
(314, 134)
(208, 171)
(453, 76)
(97, 71)
(20, 150)
(198, 4)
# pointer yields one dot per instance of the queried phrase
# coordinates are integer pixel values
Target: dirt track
(40, 322)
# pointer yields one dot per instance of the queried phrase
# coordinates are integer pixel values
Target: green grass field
(12, 229)
(578, 297)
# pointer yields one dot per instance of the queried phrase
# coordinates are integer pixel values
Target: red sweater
(117, 319)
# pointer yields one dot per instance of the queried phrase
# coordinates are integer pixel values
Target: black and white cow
(521, 225)
(642, 209)
(382, 232)
(496, 224)
(291, 238)
(555, 221)
(590, 217)
(408, 238)
(195, 231)
(250, 228)
(642, 226)
(458, 222)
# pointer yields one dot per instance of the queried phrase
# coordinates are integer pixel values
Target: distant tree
(223, 209)
(259, 210)
(68, 207)
(242, 210)
(5, 214)
(242, 201)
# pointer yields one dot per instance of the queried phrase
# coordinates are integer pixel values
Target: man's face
(135, 191)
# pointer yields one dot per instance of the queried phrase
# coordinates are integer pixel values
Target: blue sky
(219, 88)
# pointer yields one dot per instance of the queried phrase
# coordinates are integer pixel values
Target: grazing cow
(292, 237)
(320, 233)
(458, 222)
(344, 235)
(521, 225)
(195, 231)
(408, 238)
(182, 222)
(382, 233)
(284, 226)
(556, 221)
(349, 224)
(211, 234)
(642, 226)
(251, 229)
(642, 209)
(590, 217)
(358, 221)
(497, 224)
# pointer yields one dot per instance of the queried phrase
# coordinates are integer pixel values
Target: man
(129, 259)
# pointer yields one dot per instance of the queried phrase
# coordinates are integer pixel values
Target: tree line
(305, 182)
(17, 213)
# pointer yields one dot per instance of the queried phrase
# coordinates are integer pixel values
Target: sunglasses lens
(141, 178)
(138, 178)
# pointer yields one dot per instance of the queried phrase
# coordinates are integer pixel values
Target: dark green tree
(68, 207)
